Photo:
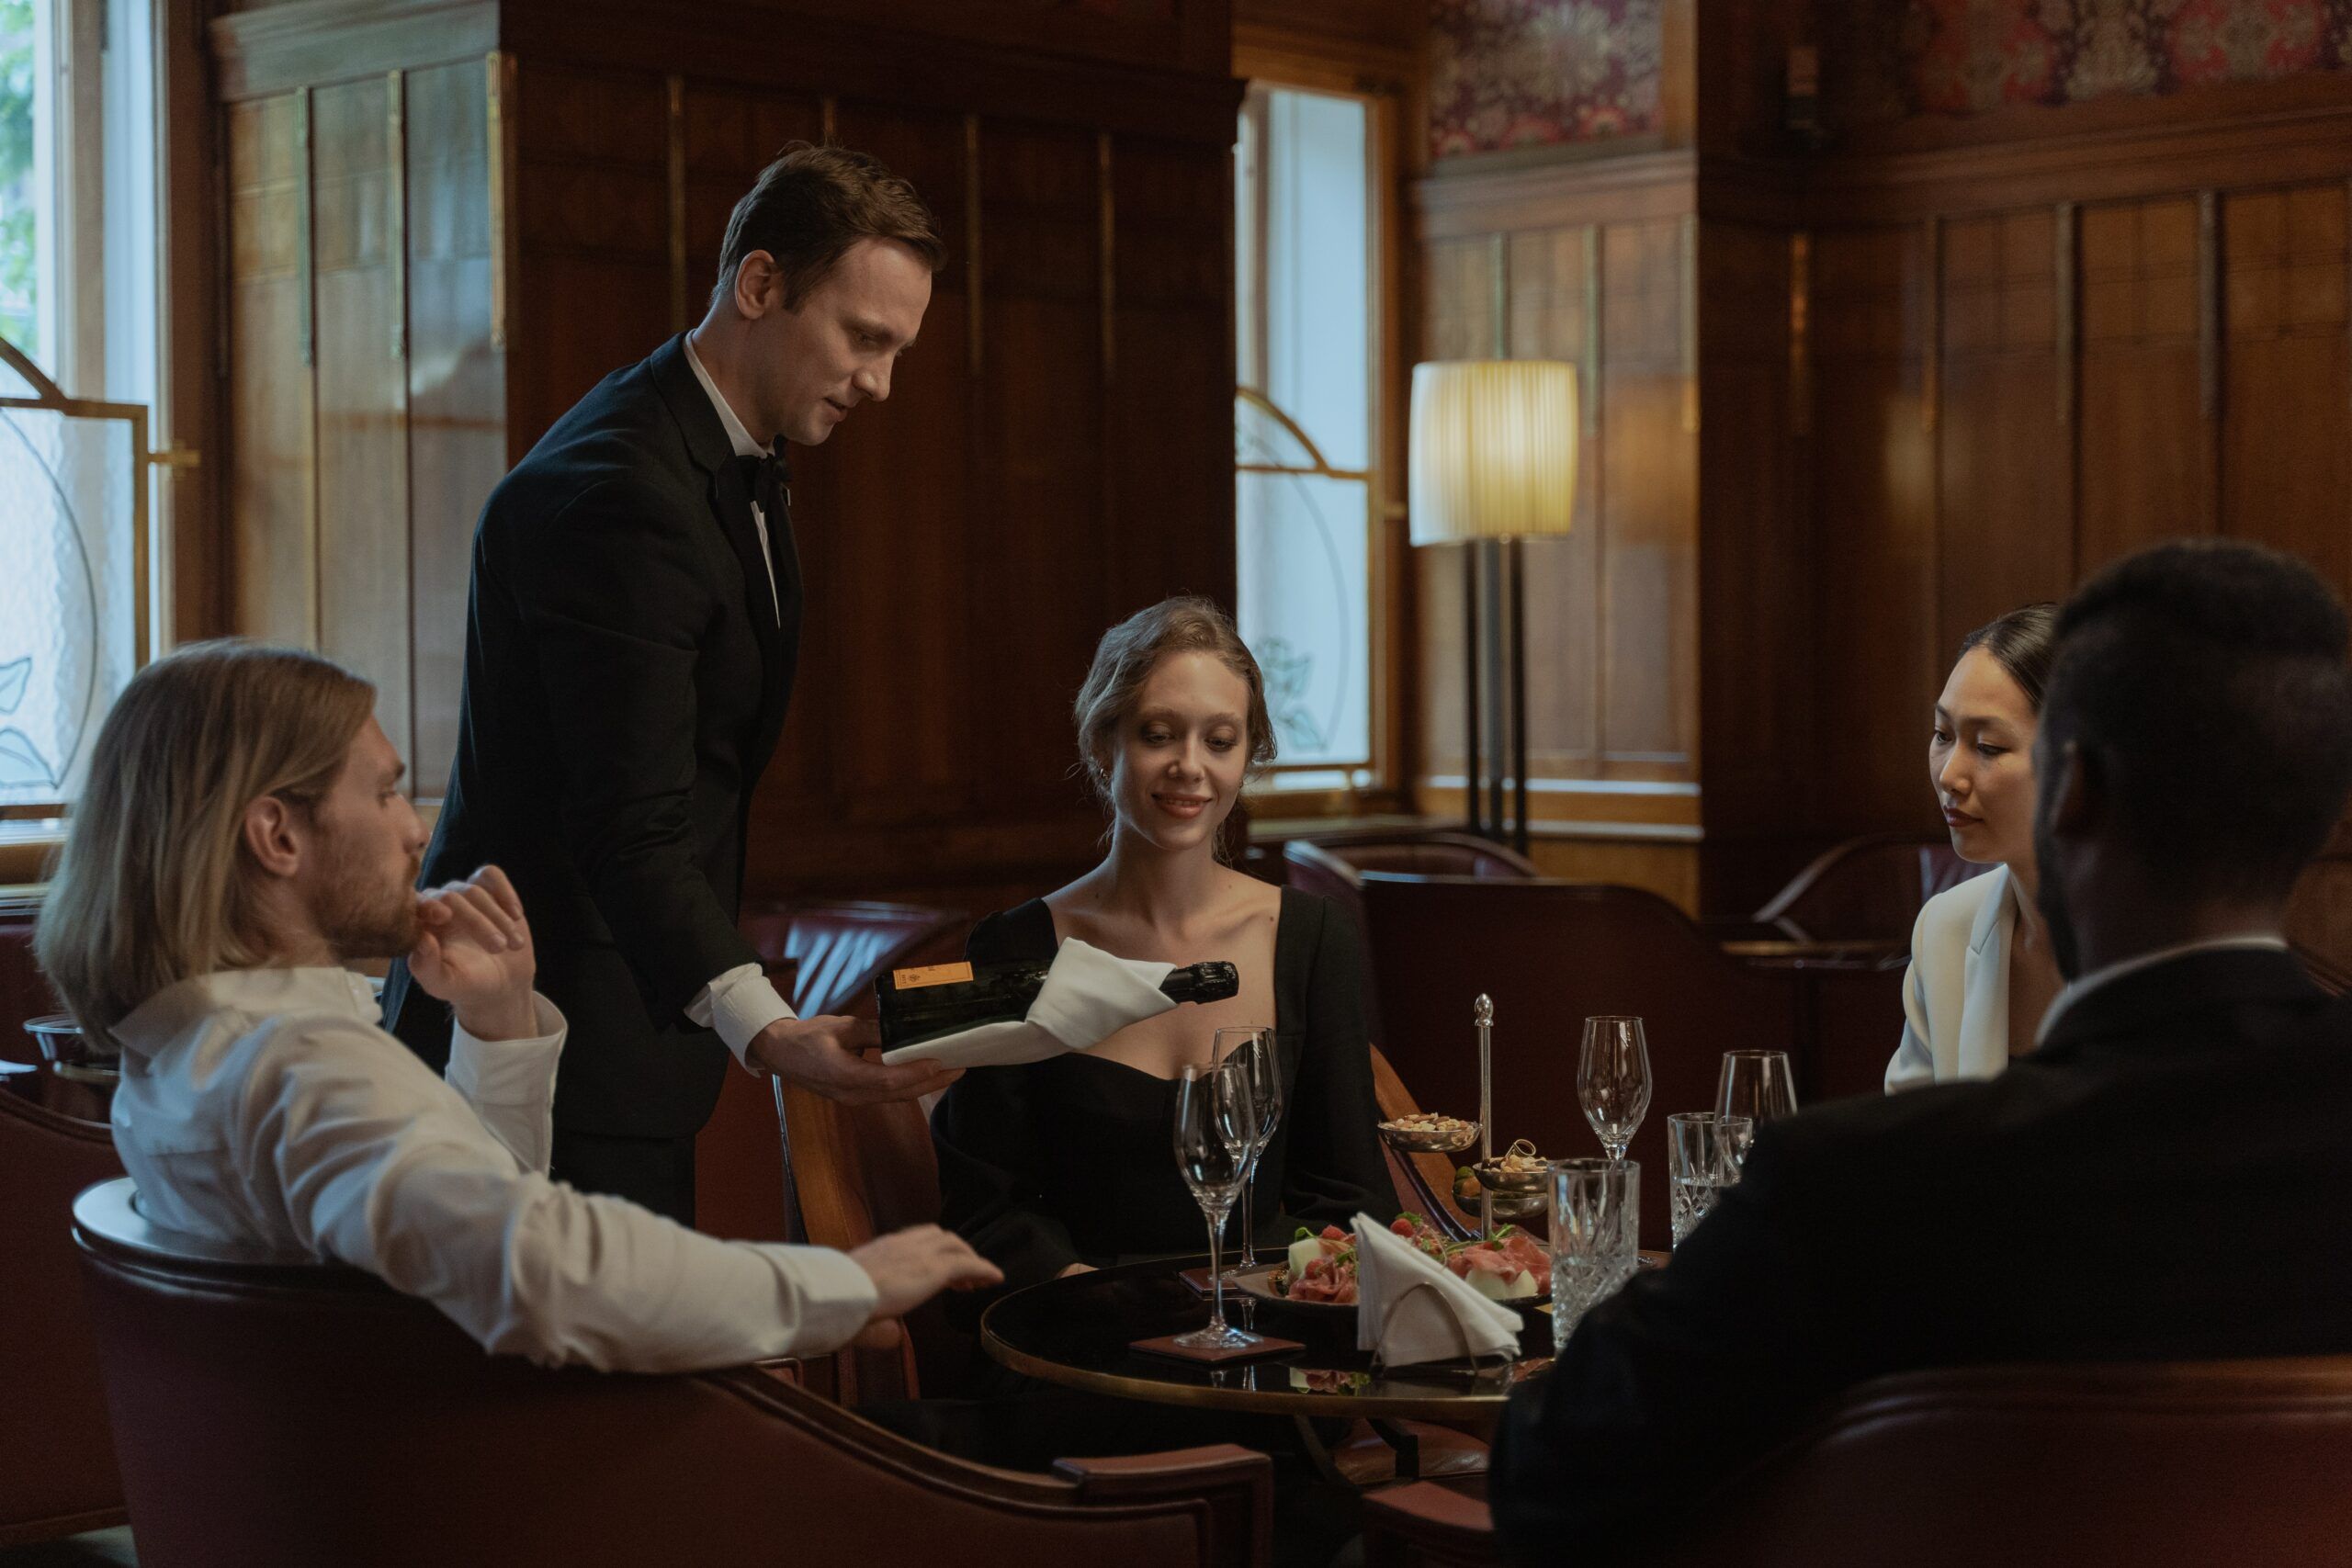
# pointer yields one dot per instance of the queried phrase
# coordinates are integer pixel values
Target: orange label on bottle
(931, 975)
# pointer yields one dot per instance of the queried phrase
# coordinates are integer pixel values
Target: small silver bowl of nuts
(1426, 1133)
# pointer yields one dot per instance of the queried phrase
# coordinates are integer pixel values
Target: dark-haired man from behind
(632, 635)
(2160, 1179)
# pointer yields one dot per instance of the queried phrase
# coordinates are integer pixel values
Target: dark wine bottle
(942, 998)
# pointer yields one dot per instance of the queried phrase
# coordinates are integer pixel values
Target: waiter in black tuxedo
(634, 625)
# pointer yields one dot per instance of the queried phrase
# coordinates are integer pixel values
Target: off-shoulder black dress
(1072, 1159)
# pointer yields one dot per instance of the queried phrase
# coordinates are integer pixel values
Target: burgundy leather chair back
(1551, 954)
(1869, 886)
(57, 1469)
(2241, 1462)
(300, 1415)
(1333, 865)
(24, 990)
(2115, 1466)
(838, 946)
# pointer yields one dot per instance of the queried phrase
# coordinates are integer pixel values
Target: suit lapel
(730, 510)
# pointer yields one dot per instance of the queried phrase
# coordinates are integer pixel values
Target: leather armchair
(57, 1469)
(2102, 1466)
(276, 1413)
(1552, 953)
(1334, 864)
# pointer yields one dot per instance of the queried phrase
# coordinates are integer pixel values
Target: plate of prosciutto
(1320, 1270)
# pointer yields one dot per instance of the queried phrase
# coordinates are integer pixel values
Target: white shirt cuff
(837, 1296)
(508, 1072)
(738, 1004)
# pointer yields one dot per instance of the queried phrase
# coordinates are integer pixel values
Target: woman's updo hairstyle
(1125, 660)
(2021, 642)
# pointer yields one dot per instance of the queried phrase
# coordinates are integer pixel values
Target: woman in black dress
(1066, 1164)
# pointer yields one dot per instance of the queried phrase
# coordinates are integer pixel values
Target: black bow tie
(765, 479)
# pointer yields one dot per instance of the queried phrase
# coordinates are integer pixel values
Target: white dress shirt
(741, 1002)
(266, 1107)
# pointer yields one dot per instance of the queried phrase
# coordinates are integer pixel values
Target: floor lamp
(1494, 462)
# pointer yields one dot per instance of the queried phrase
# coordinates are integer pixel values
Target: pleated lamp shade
(1494, 450)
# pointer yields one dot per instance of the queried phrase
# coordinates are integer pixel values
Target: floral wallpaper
(1508, 74)
(1959, 57)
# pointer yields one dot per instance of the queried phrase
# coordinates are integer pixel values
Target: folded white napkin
(1088, 997)
(1410, 1308)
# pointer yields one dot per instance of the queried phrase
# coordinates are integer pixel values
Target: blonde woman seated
(1065, 1164)
(1981, 972)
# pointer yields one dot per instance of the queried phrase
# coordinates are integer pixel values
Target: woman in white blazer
(1982, 974)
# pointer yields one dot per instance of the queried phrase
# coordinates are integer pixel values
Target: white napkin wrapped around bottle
(1088, 997)
(1410, 1308)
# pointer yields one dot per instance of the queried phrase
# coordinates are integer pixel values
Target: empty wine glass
(1756, 1085)
(1613, 1080)
(1251, 1053)
(1215, 1133)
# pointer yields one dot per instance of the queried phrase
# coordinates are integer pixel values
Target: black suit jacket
(626, 679)
(2163, 1179)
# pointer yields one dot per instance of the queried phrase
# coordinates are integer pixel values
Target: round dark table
(1076, 1332)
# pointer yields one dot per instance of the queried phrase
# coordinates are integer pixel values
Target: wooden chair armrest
(1429, 1523)
(1159, 1475)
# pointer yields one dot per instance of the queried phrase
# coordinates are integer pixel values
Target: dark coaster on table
(1267, 1344)
(1196, 1279)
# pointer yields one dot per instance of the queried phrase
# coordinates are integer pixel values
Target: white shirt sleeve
(738, 1004)
(511, 1084)
(389, 1169)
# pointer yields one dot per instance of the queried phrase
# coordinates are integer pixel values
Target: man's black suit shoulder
(2157, 1183)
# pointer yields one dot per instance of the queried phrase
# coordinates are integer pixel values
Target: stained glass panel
(67, 594)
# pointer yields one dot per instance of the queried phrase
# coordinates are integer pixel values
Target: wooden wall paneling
(457, 388)
(1648, 507)
(730, 134)
(2286, 387)
(198, 552)
(359, 254)
(2143, 448)
(1168, 360)
(1878, 662)
(2005, 512)
(1551, 284)
(1041, 433)
(1756, 570)
(271, 460)
(591, 212)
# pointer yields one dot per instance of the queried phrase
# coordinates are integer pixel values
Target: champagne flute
(1756, 1084)
(1213, 1133)
(1251, 1053)
(1613, 1080)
